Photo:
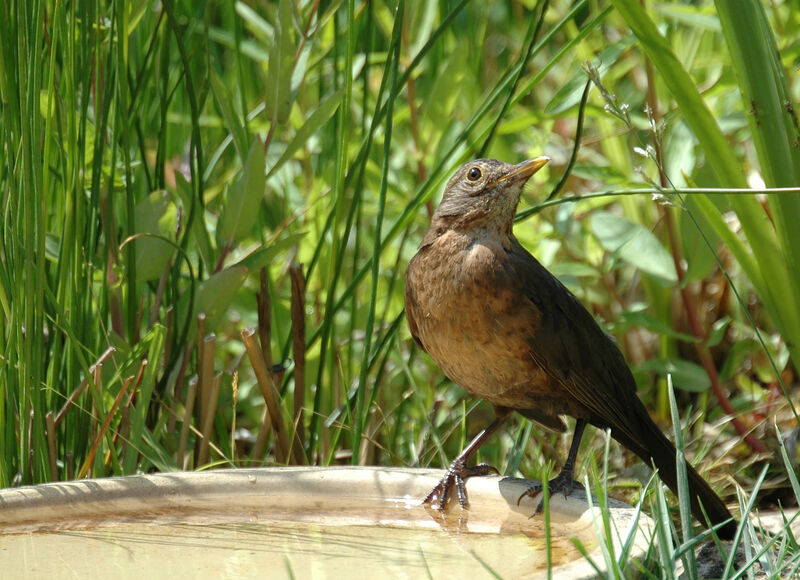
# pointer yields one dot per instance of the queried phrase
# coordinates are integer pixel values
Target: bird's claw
(455, 478)
(558, 484)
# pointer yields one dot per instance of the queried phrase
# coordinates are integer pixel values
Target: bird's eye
(474, 174)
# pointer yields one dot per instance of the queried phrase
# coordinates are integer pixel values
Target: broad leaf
(279, 70)
(686, 375)
(240, 211)
(634, 244)
(155, 214)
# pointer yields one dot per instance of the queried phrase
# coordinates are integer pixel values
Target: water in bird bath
(289, 522)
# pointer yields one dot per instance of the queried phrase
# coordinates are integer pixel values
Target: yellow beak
(524, 170)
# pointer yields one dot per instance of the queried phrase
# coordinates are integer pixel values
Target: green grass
(175, 173)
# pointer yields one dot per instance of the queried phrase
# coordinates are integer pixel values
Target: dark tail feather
(660, 451)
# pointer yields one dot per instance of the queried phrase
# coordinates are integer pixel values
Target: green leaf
(570, 93)
(679, 152)
(240, 211)
(698, 239)
(634, 244)
(262, 257)
(214, 295)
(135, 13)
(607, 174)
(718, 330)
(683, 89)
(754, 56)
(52, 247)
(156, 214)
(200, 238)
(154, 342)
(760, 75)
(224, 99)
(739, 353)
(257, 25)
(652, 323)
(686, 375)
(575, 269)
(279, 70)
(702, 18)
(443, 99)
(317, 119)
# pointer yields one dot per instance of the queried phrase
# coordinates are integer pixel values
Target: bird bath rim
(363, 500)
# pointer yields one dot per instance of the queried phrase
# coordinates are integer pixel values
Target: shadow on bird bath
(292, 522)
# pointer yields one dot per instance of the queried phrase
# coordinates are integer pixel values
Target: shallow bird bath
(291, 522)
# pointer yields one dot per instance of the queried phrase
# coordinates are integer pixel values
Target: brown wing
(412, 307)
(571, 347)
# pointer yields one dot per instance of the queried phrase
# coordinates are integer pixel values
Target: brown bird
(506, 330)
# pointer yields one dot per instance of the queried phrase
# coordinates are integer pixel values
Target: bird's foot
(563, 482)
(455, 478)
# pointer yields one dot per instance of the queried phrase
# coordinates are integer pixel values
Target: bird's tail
(662, 453)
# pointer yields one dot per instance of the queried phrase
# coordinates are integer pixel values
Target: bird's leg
(564, 481)
(458, 472)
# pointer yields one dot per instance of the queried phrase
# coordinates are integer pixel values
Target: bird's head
(484, 193)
